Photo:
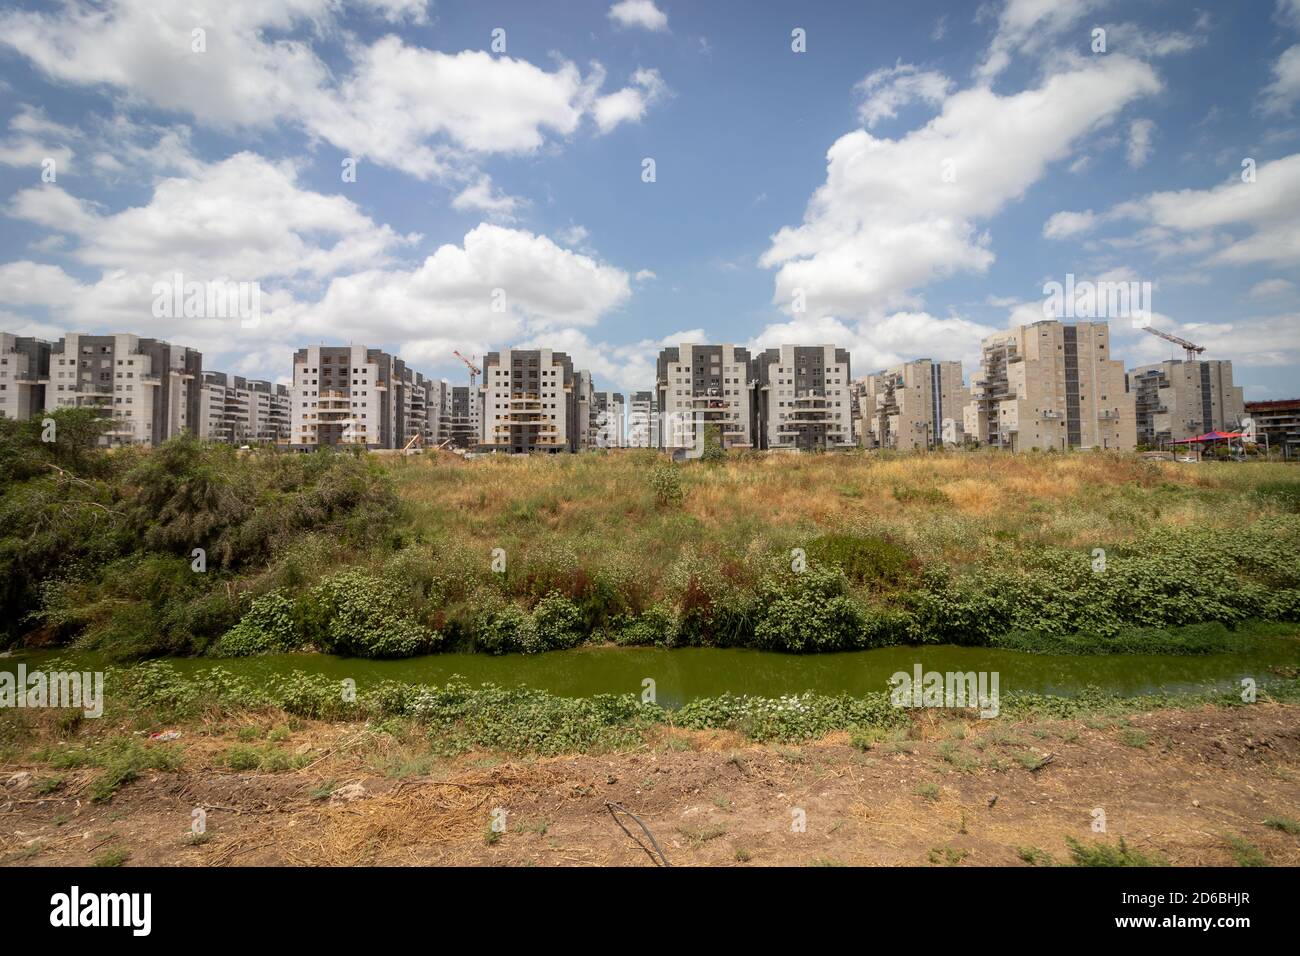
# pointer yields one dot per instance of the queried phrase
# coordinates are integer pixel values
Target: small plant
(1244, 853)
(1285, 824)
(1035, 856)
(929, 791)
(1133, 737)
(666, 484)
(113, 856)
(947, 856)
(47, 785)
(1108, 854)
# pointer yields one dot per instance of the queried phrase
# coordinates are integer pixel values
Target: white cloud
(1207, 221)
(422, 111)
(1030, 26)
(645, 275)
(1064, 225)
(482, 196)
(629, 104)
(889, 89)
(1138, 150)
(1281, 94)
(1272, 289)
(243, 218)
(1288, 13)
(639, 13)
(885, 222)
(33, 139)
(573, 235)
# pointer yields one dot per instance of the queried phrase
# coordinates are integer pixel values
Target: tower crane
(1193, 350)
(474, 370)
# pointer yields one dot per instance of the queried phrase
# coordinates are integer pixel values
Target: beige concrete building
(609, 420)
(243, 411)
(702, 385)
(1179, 399)
(919, 404)
(149, 388)
(24, 367)
(529, 403)
(353, 395)
(1051, 385)
(643, 421)
(803, 398)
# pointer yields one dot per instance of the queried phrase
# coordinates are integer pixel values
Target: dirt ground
(1189, 786)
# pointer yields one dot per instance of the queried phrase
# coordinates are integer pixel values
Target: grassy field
(389, 556)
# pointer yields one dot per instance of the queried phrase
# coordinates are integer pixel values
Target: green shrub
(863, 560)
(267, 628)
(359, 615)
(666, 484)
(807, 611)
(557, 623)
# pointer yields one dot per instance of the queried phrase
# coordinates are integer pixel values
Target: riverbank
(1190, 784)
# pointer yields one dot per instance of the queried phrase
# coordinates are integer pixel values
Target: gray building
(24, 367)
(353, 395)
(148, 387)
(803, 398)
(702, 386)
(529, 403)
(242, 411)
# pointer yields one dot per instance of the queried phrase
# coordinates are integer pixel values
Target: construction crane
(1193, 350)
(474, 370)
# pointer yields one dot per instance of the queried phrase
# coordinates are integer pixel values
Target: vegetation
(368, 556)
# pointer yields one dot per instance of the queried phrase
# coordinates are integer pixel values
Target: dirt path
(1190, 786)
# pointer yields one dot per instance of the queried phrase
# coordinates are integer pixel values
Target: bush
(557, 623)
(359, 615)
(267, 628)
(666, 484)
(863, 560)
(807, 611)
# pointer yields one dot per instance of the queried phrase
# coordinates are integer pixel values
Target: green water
(687, 673)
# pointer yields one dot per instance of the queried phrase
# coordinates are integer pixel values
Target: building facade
(147, 387)
(529, 403)
(353, 395)
(1051, 385)
(610, 420)
(1177, 399)
(919, 404)
(643, 421)
(243, 411)
(803, 398)
(1276, 425)
(699, 386)
(24, 367)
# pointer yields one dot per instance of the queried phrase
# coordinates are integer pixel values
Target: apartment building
(643, 421)
(1051, 385)
(1276, 425)
(243, 411)
(584, 392)
(919, 404)
(24, 367)
(529, 402)
(148, 387)
(803, 398)
(703, 385)
(609, 420)
(354, 395)
(1179, 399)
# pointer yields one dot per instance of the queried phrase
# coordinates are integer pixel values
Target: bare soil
(1191, 786)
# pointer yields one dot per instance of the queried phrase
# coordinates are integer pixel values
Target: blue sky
(798, 196)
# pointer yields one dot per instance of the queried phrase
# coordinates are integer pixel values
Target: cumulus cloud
(482, 196)
(1064, 225)
(1138, 151)
(425, 112)
(887, 90)
(639, 13)
(894, 215)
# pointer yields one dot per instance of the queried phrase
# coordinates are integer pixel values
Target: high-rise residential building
(242, 411)
(584, 394)
(1051, 385)
(610, 420)
(701, 386)
(149, 388)
(1276, 426)
(919, 404)
(803, 398)
(643, 421)
(353, 395)
(24, 367)
(1177, 399)
(529, 402)
(465, 425)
